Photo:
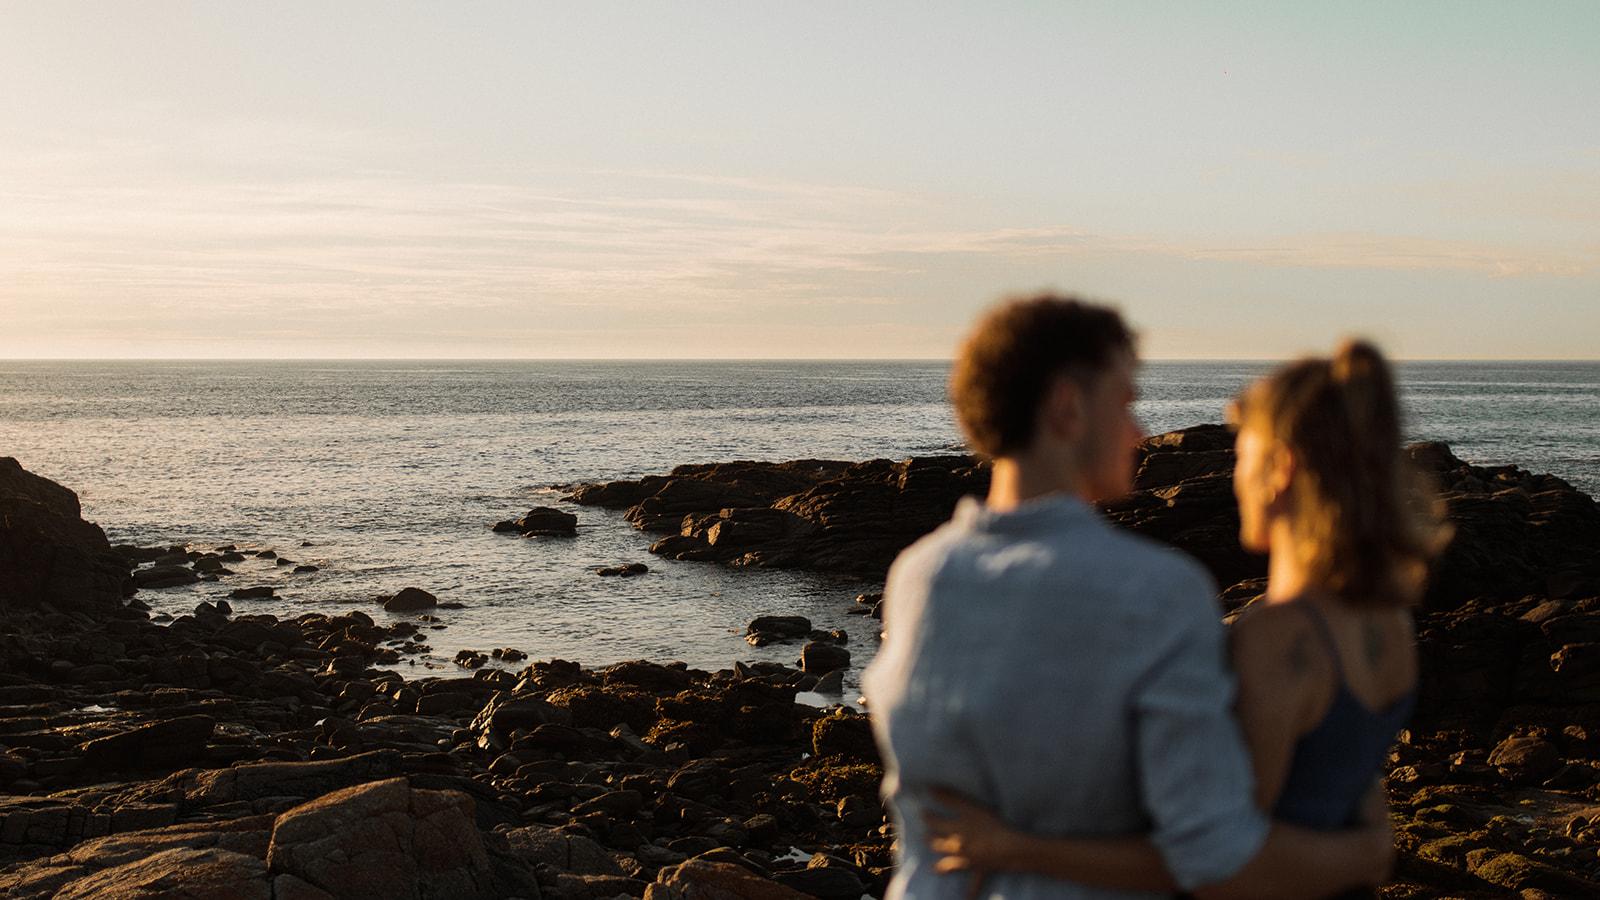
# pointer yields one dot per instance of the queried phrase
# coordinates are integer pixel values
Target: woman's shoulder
(1276, 639)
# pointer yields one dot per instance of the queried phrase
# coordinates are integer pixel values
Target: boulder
(385, 841)
(410, 600)
(562, 851)
(48, 553)
(543, 521)
(159, 576)
(702, 880)
(846, 733)
(822, 657)
(1526, 759)
(766, 629)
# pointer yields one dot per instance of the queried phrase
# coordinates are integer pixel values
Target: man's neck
(1016, 480)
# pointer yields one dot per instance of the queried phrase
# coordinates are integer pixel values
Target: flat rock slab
(181, 874)
(167, 742)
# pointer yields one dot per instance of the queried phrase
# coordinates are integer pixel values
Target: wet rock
(263, 592)
(822, 514)
(647, 676)
(819, 658)
(627, 570)
(410, 600)
(831, 683)
(164, 576)
(542, 520)
(764, 630)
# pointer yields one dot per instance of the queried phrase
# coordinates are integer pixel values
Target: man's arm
(969, 837)
(1198, 786)
(1299, 862)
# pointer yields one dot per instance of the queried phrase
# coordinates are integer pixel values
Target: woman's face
(1253, 486)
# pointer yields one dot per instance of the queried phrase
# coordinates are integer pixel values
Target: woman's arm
(974, 839)
(1294, 862)
(1282, 675)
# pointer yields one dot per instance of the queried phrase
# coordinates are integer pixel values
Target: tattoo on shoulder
(1299, 655)
(1373, 642)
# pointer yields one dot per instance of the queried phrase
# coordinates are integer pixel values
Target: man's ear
(1061, 412)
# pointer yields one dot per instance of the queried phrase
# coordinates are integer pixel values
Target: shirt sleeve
(1194, 769)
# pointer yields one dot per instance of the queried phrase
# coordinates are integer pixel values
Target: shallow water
(394, 471)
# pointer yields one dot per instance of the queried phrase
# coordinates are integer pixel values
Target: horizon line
(731, 359)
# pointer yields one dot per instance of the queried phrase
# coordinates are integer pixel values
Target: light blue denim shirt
(1069, 675)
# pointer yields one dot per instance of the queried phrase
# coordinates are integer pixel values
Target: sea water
(389, 474)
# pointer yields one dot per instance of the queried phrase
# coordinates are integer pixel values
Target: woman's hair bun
(1358, 360)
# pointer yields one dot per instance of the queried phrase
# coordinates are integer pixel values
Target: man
(1068, 675)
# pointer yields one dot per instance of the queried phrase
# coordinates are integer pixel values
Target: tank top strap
(1323, 629)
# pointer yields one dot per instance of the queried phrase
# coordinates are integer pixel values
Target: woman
(1326, 664)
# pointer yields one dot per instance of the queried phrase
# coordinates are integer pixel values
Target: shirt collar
(1052, 510)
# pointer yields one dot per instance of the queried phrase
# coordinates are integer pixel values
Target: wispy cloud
(117, 238)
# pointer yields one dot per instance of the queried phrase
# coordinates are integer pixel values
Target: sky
(794, 180)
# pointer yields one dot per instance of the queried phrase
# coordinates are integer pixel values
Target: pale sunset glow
(706, 180)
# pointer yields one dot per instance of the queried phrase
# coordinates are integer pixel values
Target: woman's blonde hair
(1369, 523)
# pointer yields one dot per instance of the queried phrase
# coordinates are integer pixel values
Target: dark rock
(167, 742)
(647, 676)
(767, 629)
(831, 683)
(819, 658)
(844, 733)
(164, 576)
(627, 570)
(542, 520)
(824, 882)
(410, 600)
(48, 554)
(251, 593)
(1526, 759)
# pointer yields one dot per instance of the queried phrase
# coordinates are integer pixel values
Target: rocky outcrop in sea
(236, 755)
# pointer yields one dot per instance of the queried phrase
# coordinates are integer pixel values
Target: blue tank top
(1334, 763)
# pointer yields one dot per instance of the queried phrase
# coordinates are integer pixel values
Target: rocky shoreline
(227, 755)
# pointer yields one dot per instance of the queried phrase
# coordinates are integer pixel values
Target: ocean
(389, 474)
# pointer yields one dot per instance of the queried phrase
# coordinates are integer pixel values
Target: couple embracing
(1063, 714)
